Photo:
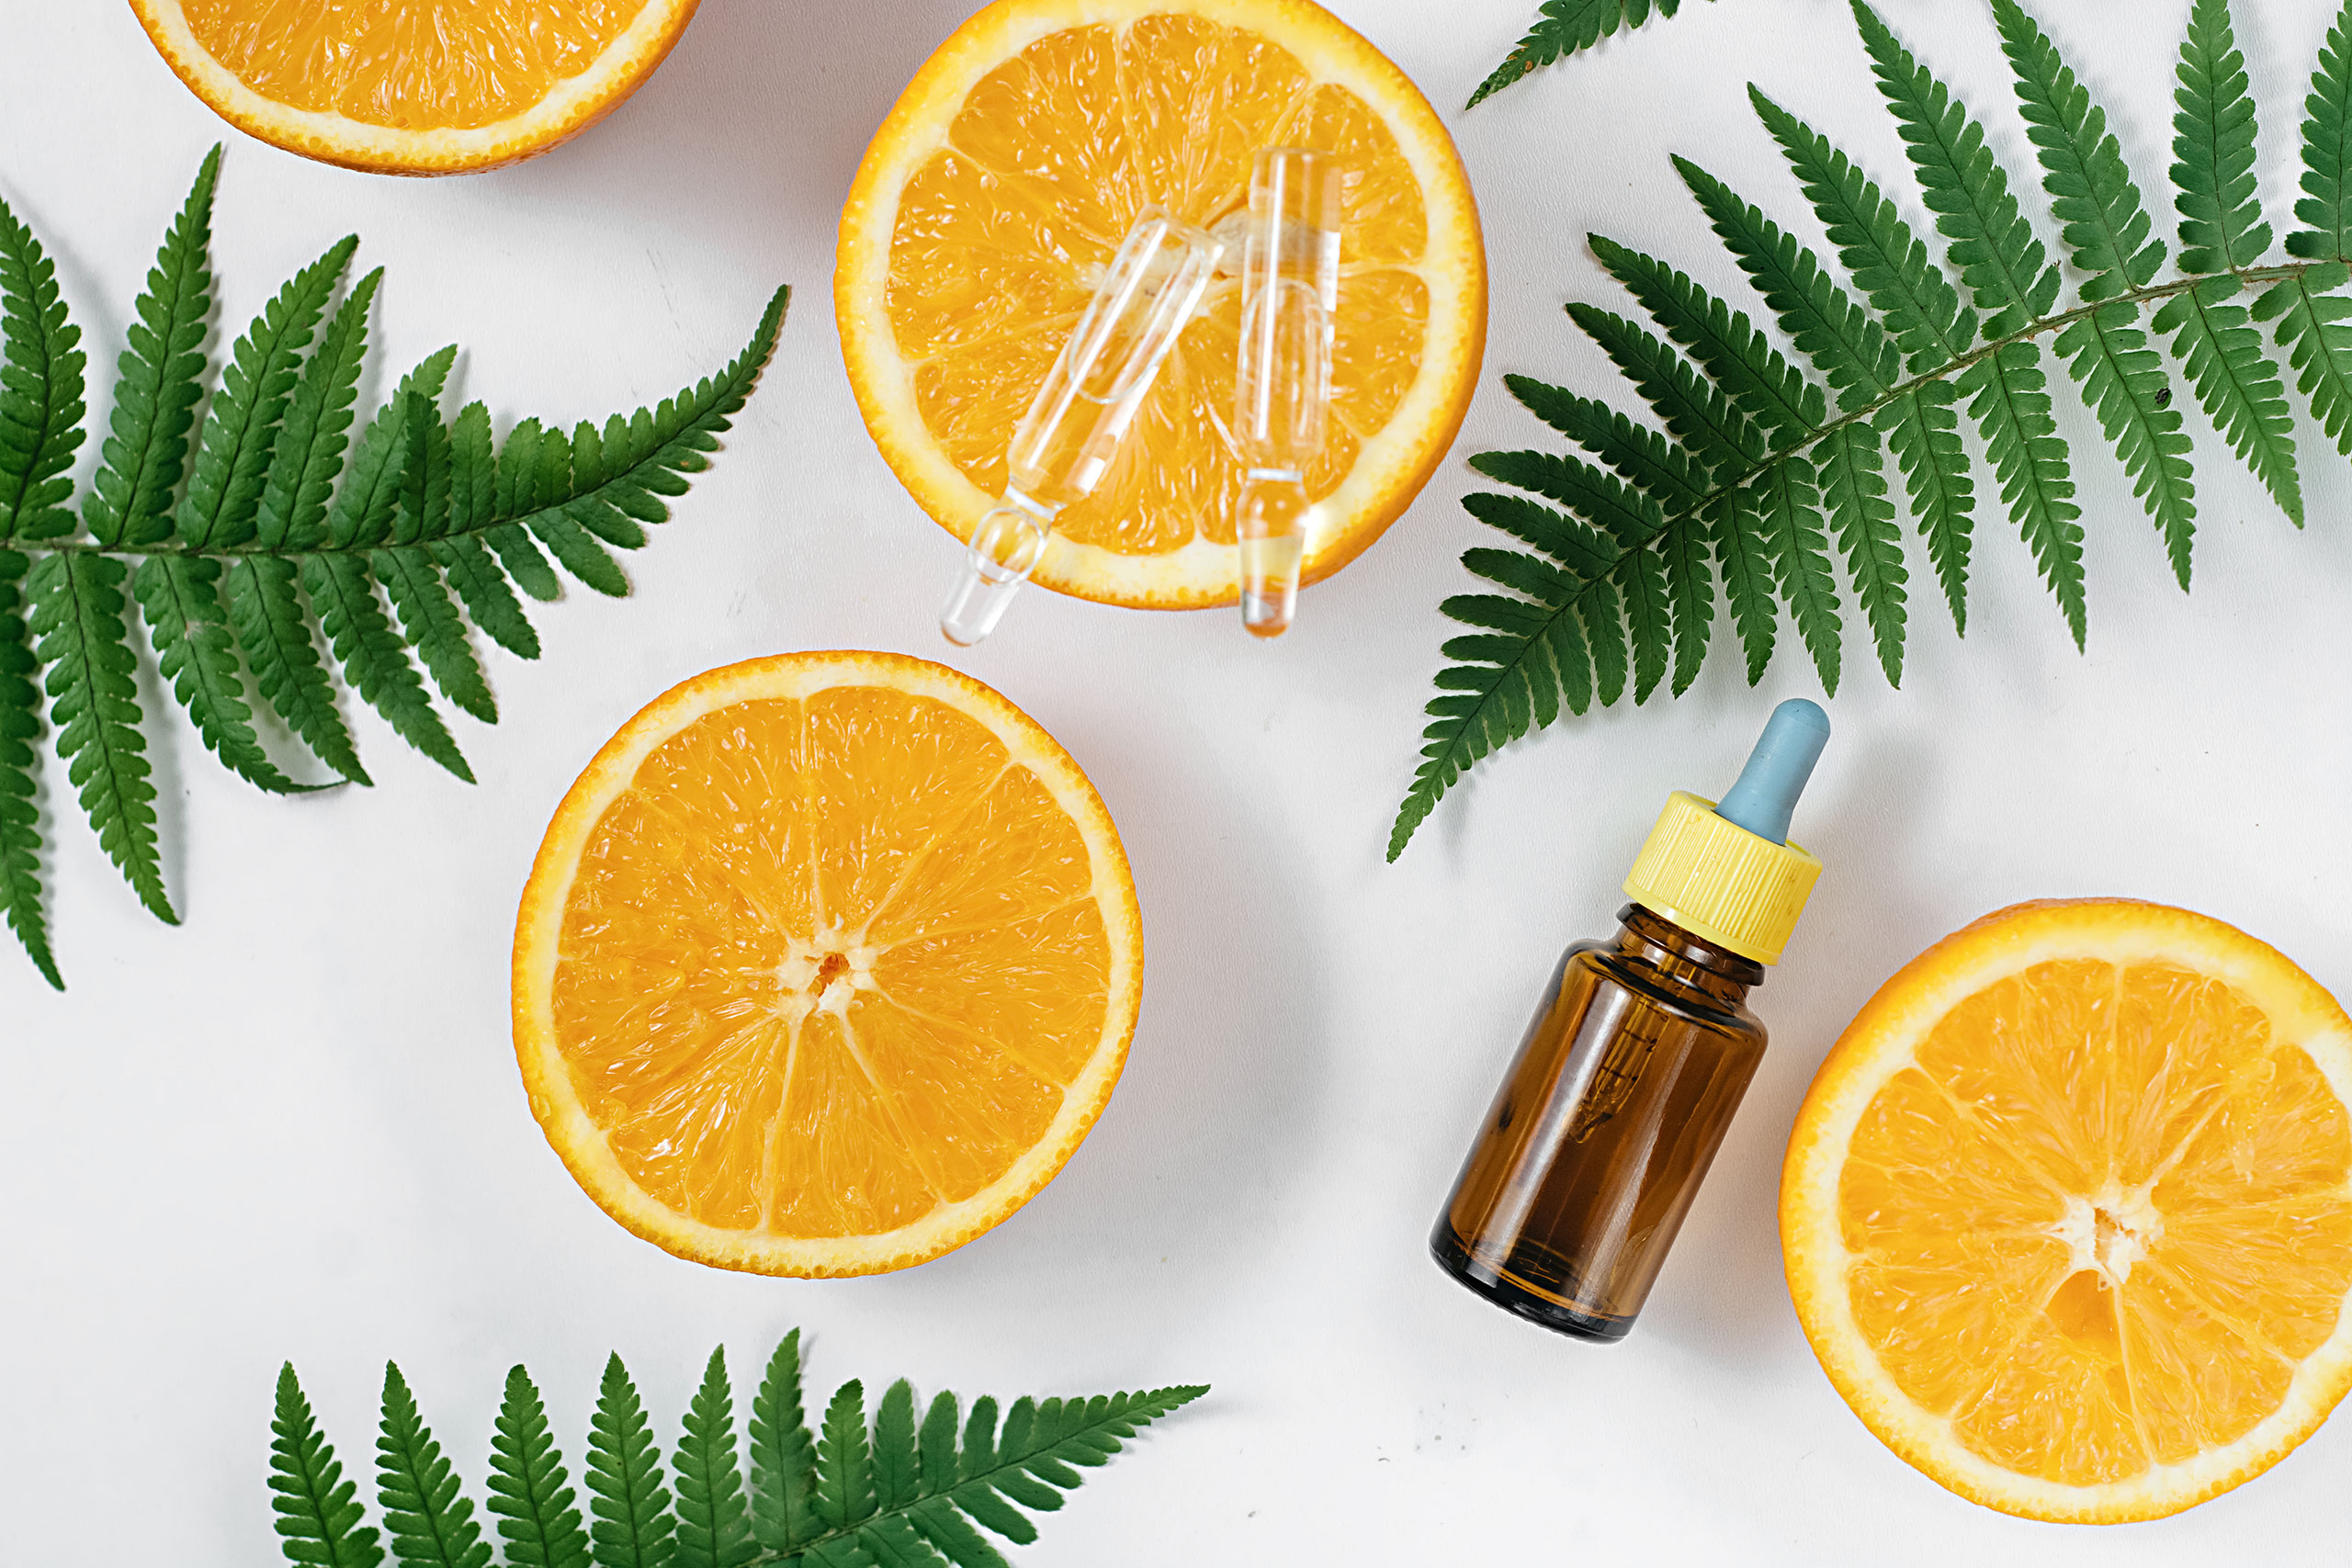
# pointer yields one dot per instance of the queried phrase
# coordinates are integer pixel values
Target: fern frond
(318, 1511)
(2011, 406)
(2327, 206)
(1727, 344)
(1565, 27)
(1849, 347)
(41, 389)
(1924, 434)
(714, 1520)
(292, 513)
(633, 1526)
(1622, 512)
(1643, 456)
(1744, 557)
(92, 702)
(528, 1490)
(430, 1520)
(158, 381)
(364, 508)
(1787, 502)
(2124, 382)
(20, 842)
(844, 1493)
(2237, 383)
(374, 660)
(274, 628)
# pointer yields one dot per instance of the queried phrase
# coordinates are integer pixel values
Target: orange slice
(828, 963)
(1000, 185)
(2065, 1212)
(416, 87)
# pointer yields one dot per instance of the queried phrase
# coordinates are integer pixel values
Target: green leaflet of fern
(1991, 242)
(2107, 228)
(77, 608)
(374, 658)
(1852, 351)
(232, 451)
(459, 549)
(368, 505)
(430, 621)
(319, 1512)
(20, 891)
(2318, 344)
(2327, 206)
(483, 590)
(2009, 404)
(1601, 614)
(41, 389)
(784, 1455)
(633, 1526)
(2124, 382)
(274, 628)
(1786, 499)
(1690, 596)
(1924, 434)
(714, 1520)
(898, 1468)
(1563, 27)
(158, 381)
(1727, 344)
(1890, 264)
(1617, 512)
(1853, 483)
(528, 1490)
(844, 1493)
(1648, 461)
(292, 511)
(179, 597)
(2222, 227)
(431, 1522)
(1715, 432)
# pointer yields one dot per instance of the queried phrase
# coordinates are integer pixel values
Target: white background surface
(293, 1127)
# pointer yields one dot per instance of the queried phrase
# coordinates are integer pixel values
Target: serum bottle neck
(1681, 963)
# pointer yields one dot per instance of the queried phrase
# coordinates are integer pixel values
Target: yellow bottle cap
(1721, 882)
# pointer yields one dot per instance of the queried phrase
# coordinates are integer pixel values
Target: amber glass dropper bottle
(1627, 1079)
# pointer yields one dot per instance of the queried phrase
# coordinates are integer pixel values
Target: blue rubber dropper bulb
(1766, 795)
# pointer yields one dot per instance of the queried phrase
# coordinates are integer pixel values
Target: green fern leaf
(374, 660)
(21, 841)
(2237, 383)
(1727, 344)
(2107, 227)
(528, 1490)
(1924, 434)
(2124, 381)
(844, 1492)
(1889, 264)
(318, 1510)
(41, 389)
(1691, 596)
(368, 504)
(1699, 414)
(179, 598)
(1643, 456)
(158, 381)
(431, 623)
(1621, 512)
(483, 589)
(1741, 537)
(954, 1536)
(714, 1520)
(2009, 402)
(898, 1468)
(2213, 134)
(430, 1521)
(1602, 617)
(274, 628)
(2319, 345)
(233, 453)
(1849, 347)
(292, 513)
(1853, 483)
(94, 702)
(784, 1455)
(1785, 502)
(633, 1526)
(1565, 27)
(2327, 206)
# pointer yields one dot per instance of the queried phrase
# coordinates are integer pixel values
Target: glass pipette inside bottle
(1290, 297)
(1064, 443)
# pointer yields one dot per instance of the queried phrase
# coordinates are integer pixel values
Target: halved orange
(828, 963)
(997, 190)
(2067, 1214)
(416, 87)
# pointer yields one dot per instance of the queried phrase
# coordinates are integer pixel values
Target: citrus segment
(1000, 185)
(827, 964)
(2067, 1213)
(431, 88)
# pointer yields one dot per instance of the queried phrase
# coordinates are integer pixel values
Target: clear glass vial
(1626, 1080)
